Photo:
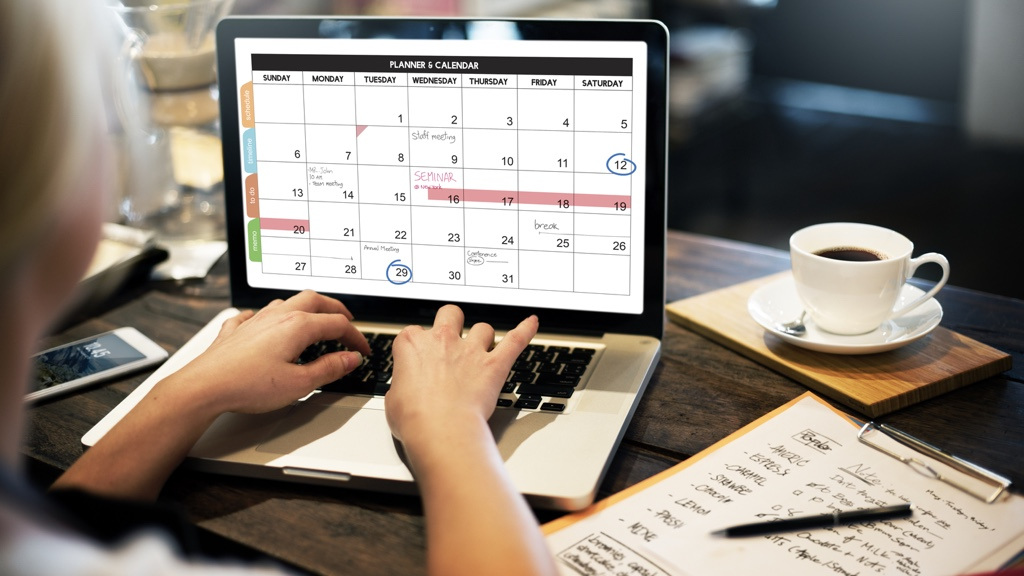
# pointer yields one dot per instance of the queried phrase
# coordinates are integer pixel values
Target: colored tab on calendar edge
(248, 105)
(255, 241)
(252, 196)
(249, 150)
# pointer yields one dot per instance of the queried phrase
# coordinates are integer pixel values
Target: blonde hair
(49, 114)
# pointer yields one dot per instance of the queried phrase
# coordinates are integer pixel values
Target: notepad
(802, 458)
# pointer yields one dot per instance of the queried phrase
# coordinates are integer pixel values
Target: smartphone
(92, 360)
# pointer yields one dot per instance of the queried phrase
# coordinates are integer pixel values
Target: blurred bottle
(172, 172)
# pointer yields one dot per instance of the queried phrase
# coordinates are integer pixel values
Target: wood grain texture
(701, 392)
(873, 384)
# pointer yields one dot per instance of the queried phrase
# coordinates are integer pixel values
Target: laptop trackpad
(332, 431)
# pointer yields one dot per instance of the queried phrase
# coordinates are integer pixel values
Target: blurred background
(902, 113)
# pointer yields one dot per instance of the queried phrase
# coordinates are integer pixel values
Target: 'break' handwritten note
(801, 459)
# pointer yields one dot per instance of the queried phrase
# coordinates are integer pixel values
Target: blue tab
(249, 150)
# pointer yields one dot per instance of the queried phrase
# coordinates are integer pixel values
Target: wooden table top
(699, 394)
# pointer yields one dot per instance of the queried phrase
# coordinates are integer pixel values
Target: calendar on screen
(506, 172)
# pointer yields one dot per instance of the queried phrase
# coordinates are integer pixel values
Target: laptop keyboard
(544, 377)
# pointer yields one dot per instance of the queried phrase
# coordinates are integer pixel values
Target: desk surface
(700, 393)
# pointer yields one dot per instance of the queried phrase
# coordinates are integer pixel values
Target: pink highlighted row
(508, 197)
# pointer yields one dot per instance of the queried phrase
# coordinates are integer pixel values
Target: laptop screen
(486, 163)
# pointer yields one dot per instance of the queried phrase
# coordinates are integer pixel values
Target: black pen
(818, 521)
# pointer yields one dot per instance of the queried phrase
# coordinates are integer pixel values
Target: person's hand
(442, 380)
(443, 389)
(251, 368)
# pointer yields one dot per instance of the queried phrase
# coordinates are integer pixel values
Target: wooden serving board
(873, 384)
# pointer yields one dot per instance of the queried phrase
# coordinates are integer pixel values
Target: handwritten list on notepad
(801, 459)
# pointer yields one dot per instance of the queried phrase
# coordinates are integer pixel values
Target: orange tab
(252, 196)
(248, 106)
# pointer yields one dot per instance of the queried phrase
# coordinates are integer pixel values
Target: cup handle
(915, 263)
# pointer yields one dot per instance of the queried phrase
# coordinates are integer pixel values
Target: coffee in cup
(849, 275)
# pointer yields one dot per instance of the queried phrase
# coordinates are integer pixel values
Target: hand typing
(441, 380)
(251, 368)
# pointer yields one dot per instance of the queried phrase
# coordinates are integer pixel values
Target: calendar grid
(574, 204)
(462, 152)
(305, 146)
(359, 216)
(519, 115)
(552, 214)
(412, 234)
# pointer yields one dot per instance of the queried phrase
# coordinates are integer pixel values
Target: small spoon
(793, 327)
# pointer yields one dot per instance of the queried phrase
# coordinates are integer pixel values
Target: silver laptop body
(507, 166)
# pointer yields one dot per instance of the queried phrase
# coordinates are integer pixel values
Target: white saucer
(778, 302)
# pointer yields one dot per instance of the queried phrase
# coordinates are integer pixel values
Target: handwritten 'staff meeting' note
(801, 459)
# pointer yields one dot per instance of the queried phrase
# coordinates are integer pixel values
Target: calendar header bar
(444, 64)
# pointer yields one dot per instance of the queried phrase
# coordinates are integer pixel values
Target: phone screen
(81, 359)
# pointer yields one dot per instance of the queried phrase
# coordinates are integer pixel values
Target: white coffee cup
(845, 296)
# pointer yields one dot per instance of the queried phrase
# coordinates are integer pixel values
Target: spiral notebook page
(801, 459)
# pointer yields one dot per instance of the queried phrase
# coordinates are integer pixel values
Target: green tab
(255, 241)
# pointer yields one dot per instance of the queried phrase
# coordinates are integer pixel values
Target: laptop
(508, 166)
